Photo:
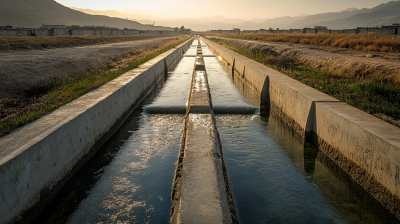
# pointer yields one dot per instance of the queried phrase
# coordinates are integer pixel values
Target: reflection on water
(135, 186)
(174, 94)
(130, 178)
(276, 178)
(347, 196)
(267, 186)
(228, 91)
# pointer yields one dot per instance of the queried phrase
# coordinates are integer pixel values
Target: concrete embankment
(367, 148)
(36, 159)
(200, 193)
(24, 70)
(335, 63)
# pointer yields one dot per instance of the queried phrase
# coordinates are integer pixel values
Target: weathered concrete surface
(293, 99)
(367, 148)
(201, 196)
(21, 71)
(202, 192)
(364, 146)
(36, 157)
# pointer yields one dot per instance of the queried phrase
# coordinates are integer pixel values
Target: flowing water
(274, 176)
(130, 178)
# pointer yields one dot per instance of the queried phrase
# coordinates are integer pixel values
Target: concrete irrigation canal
(198, 143)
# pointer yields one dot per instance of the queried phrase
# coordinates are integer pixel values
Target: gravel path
(22, 70)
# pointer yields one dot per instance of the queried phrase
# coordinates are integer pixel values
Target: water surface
(276, 177)
(130, 178)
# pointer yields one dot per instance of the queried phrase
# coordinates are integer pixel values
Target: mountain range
(384, 14)
(34, 13)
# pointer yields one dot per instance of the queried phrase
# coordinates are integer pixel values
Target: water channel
(274, 176)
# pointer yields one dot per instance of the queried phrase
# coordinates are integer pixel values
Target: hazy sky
(245, 9)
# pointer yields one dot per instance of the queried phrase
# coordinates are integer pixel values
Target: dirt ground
(343, 62)
(338, 50)
(23, 70)
(12, 44)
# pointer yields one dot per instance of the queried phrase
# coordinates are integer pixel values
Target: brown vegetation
(29, 43)
(359, 42)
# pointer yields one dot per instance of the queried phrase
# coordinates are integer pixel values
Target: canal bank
(364, 146)
(56, 145)
(272, 175)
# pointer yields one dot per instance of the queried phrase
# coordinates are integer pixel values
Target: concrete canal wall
(36, 158)
(200, 189)
(367, 148)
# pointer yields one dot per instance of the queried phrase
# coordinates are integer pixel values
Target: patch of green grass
(66, 90)
(373, 97)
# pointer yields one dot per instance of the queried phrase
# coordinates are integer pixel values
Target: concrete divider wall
(200, 191)
(35, 158)
(367, 148)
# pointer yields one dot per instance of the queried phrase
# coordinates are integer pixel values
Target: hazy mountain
(280, 22)
(34, 13)
(202, 23)
(315, 19)
(384, 14)
(110, 13)
(376, 18)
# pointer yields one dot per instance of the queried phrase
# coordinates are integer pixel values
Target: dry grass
(380, 71)
(28, 43)
(359, 42)
(370, 94)
(60, 92)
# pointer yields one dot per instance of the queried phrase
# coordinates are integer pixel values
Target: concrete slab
(200, 189)
(364, 140)
(202, 192)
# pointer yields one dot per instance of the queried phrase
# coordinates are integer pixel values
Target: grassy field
(359, 42)
(373, 96)
(53, 95)
(28, 43)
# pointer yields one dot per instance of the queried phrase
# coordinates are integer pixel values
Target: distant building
(54, 27)
(236, 30)
(308, 30)
(6, 28)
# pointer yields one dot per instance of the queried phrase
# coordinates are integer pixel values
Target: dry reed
(360, 42)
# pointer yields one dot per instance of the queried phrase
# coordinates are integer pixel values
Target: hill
(34, 13)
(384, 14)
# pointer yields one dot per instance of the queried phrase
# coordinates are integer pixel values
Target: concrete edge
(180, 214)
(367, 148)
(66, 136)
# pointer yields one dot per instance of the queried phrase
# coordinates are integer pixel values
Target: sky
(244, 9)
